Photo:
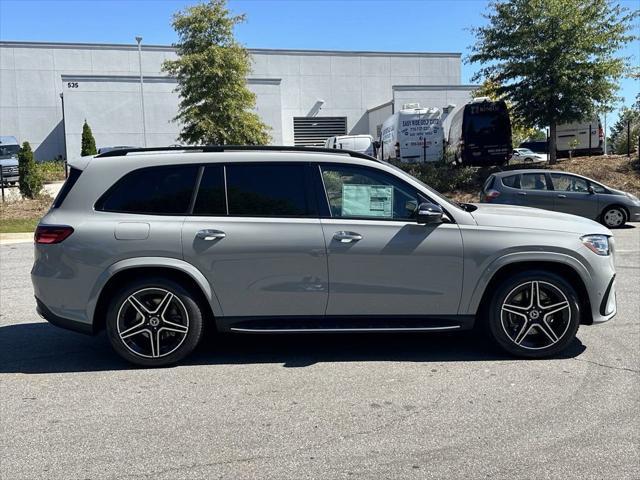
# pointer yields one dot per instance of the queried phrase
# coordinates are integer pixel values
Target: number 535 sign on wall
(72, 84)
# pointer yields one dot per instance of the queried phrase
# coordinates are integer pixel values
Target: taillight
(49, 234)
(490, 195)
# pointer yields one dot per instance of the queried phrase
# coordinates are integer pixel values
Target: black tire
(613, 217)
(504, 327)
(175, 338)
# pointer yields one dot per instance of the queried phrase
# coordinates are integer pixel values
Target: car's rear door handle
(522, 193)
(347, 237)
(210, 235)
(560, 195)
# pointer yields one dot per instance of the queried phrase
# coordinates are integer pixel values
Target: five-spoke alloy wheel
(154, 322)
(534, 314)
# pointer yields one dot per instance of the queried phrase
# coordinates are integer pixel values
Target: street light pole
(144, 126)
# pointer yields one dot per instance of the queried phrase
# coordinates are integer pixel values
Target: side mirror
(591, 190)
(429, 213)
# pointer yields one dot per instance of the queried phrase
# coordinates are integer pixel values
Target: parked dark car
(562, 192)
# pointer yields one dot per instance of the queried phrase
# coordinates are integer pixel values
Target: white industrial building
(47, 90)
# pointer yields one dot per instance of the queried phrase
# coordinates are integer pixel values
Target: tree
(211, 69)
(556, 61)
(619, 137)
(520, 129)
(88, 142)
(30, 182)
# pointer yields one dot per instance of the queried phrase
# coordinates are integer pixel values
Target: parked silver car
(151, 245)
(562, 192)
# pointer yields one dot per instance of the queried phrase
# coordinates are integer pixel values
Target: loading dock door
(313, 131)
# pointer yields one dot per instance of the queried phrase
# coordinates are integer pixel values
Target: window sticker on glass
(367, 201)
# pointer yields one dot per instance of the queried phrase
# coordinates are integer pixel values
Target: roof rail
(232, 148)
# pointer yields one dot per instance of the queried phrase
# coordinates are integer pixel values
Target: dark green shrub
(88, 142)
(443, 177)
(30, 180)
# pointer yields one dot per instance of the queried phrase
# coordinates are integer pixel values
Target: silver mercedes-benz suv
(151, 245)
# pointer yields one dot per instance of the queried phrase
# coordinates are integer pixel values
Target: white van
(575, 137)
(355, 143)
(413, 134)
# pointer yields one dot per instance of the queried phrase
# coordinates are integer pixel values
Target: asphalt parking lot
(334, 406)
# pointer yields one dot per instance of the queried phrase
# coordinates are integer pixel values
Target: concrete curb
(11, 238)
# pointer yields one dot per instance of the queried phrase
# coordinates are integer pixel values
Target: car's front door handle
(522, 193)
(560, 195)
(210, 235)
(347, 237)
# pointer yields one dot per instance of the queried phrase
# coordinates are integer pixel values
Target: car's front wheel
(534, 314)
(614, 217)
(154, 322)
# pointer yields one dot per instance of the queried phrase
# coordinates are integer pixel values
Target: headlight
(598, 244)
(633, 198)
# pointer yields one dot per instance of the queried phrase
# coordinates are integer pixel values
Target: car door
(572, 195)
(534, 191)
(259, 242)
(381, 262)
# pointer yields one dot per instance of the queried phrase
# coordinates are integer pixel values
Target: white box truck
(575, 137)
(413, 134)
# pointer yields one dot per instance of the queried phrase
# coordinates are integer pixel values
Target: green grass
(18, 225)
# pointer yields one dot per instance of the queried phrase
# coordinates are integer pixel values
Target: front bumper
(634, 214)
(8, 179)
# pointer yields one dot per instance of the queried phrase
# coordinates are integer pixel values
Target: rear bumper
(62, 322)
(8, 179)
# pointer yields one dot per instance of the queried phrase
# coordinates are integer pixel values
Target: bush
(443, 177)
(51, 170)
(88, 142)
(30, 179)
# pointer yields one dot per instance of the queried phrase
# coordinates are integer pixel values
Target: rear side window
(489, 183)
(74, 174)
(511, 181)
(267, 190)
(156, 190)
(211, 198)
(533, 181)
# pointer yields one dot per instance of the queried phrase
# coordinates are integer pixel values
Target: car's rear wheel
(534, 314)
(614, 217)
(154, 322)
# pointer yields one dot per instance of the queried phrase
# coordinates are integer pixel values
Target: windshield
(8, 151)
(488, 124)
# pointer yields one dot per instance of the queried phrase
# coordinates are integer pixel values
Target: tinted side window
(211, 198)
(267, 190)
(511, 181)
(356, 192)
(569, 183)
(533, 181)
(156, 190)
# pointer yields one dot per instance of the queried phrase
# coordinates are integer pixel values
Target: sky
(385, 25)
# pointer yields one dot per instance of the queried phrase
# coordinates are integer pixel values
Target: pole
(144, 126)
(605, 133)
(64, 135)
(589, 140)
(2, 183)
(628, 138)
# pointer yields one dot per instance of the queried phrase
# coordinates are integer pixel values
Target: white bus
(412, 135)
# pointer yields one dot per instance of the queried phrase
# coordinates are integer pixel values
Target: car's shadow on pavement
(42, 348)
